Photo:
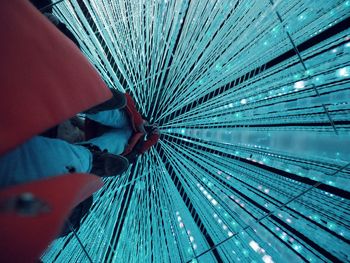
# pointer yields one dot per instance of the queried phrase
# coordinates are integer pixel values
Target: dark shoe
(118, 101)
(105, 164)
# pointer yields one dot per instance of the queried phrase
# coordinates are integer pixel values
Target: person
(45, 155)
(124, 132)
(112, 136)
(98, 154)
(109, 113)
(125, 136)
(123, 124)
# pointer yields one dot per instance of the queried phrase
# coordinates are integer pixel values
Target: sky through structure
(252, 99)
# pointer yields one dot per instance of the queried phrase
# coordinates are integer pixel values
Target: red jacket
(136, 145)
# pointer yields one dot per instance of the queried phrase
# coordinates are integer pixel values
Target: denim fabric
(115, 140)
(42, 157)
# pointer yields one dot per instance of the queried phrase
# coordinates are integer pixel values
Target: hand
(151, 129)
(155, 129)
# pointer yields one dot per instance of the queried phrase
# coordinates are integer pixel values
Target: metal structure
(252, 98)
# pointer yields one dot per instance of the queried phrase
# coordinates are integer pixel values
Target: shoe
(118, 101)
(105, 164)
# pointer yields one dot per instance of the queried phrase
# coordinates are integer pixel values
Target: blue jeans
(115, 140)
(42, 157)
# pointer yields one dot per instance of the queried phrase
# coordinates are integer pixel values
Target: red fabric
(45, 79)
(24, 238)
(135, 117)
(152, 140)
(136, 121)
(135, 137)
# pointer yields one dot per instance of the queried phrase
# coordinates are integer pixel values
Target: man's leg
(42, 157)
(114, 141)
(111, 118)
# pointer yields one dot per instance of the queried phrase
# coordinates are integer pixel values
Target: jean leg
(114, 141)
(112, 118)
(42, 157)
